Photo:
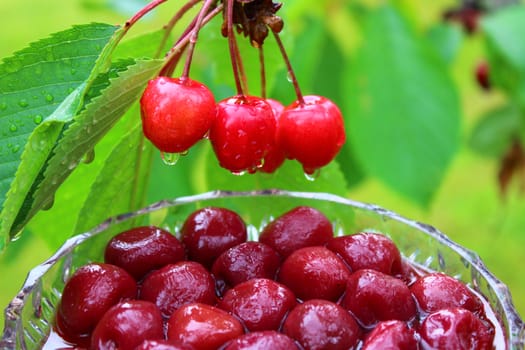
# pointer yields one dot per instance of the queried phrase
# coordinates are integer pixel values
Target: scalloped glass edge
(514, 325)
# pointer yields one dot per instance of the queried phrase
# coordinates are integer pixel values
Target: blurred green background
(467, 206)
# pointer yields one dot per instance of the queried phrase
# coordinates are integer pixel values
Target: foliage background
(466, 205)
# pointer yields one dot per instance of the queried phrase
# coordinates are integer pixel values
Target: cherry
(275, 157)
(321, 324)
(300, 227)
(210, 231)
(243, 262)
(366, 250)
(311, 131)
(176, 113)
(143, 249)
(203, 326)
(456, 328)
(126, 325)
(314, 273)
(88, 294)
(437, 291)
(162, 345)
(483, 75)
(394, 335)
(262, 340)
(260, 303)
(243, 133)
(177, 284)
(372, 296)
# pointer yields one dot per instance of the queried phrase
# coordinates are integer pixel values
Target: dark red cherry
(176, 113)
(178, 284)
(393, 335)
(88, 294)
(210, 231)
(456, 328)
(275, 156)
(367, 250)
(142, 249)
(243, 262)
(372, 296)
(126, 325)
(438, 291)
(483, 75)
(203, 327)
(312, 132)
(260, 303)
(162, 345)
(322, 324)
(300, 227)
(314, 273)
(243, 133)
(262, 340)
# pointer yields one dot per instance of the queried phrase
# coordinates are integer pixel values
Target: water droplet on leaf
(38, 119)
(15, 148)
(23, 103)
(13, 127)
(3, 106)
(49, 98)
(170, 158)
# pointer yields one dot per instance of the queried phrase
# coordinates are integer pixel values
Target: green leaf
(505, 49)
(142, 46)
(82, 135)
(446, 39)
(403, 110)
(496, 130)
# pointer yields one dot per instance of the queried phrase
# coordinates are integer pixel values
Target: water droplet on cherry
(170, 158)
(312, 174)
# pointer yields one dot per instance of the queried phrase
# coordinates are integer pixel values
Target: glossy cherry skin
(456, 328)
(243, 262)
(312, 132)
(392, 335)
(314, 273)
(262, 340)
(203, 327)
(208, 232)
(162, 345)
(243, 133)
(176, 113)
(126, 325)
(88, 294)
(322, 324)
(300, 227)
(366, 250)
(438, 291)
(260, 303)
(178, 284)
(372, 296)
(142, 249)
(275, 156)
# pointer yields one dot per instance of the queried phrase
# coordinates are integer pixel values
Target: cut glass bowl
(29, 316)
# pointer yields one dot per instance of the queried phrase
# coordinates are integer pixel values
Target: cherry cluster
(248, 133)
(297, 287)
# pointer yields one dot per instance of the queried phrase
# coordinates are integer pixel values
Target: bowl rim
(13, 311)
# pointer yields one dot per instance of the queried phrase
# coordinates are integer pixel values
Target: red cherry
(242, 133)
(210, 231)
(143, 249)
(262, 340)
(203, 327)
(126, 325)
(392, 334)
(88, 294)
(483, 76)
(162, 345)
(176, 113)
(275, 156)
(312, 132)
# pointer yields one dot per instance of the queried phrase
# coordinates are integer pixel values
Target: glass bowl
(29, 316)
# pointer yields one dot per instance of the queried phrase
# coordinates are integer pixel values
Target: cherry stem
(194, 36)
(142, 13)
(232, 45)
(263, 72)
(242, 72)
(173, 56)
(169, 27)
(291, 73)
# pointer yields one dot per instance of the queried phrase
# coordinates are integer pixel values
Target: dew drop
(23, 103)
(312, 174)
(169, 158)
(3, 106)
(13, 128)
(49, 98)
(185, 153)
(15, 148)
(289, 78)
(239, 173)
(73, 71)
(89, 157)
(38, 119)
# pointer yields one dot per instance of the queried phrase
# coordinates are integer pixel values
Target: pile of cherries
(297, 287)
